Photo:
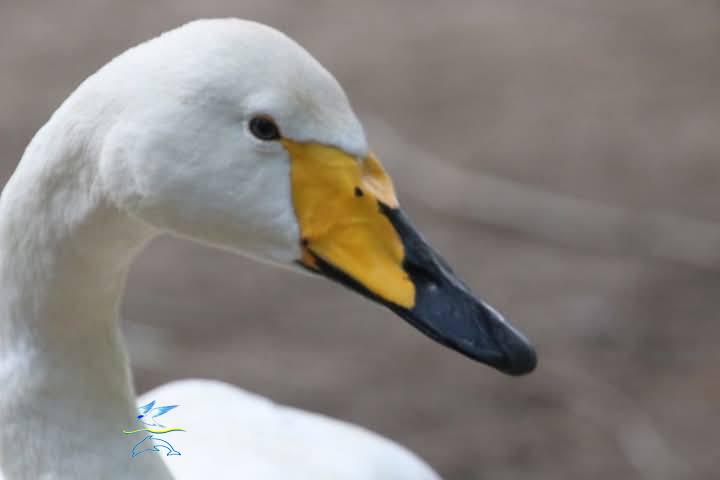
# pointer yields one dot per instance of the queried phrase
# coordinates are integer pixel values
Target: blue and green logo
(151, 428)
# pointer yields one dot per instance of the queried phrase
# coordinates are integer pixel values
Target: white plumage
(252, 437)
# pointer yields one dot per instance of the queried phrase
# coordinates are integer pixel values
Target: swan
(228, 133)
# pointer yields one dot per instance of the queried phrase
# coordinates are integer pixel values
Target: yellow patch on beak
(336, 202)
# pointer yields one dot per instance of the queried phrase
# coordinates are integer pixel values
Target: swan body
(271, 441)
(228, 133)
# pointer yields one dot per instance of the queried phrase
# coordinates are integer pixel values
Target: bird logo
(148, 423)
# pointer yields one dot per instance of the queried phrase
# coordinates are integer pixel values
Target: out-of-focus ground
(612, 101)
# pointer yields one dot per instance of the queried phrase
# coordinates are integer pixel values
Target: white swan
(228, 133)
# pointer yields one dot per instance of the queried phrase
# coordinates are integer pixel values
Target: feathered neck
(66, 389)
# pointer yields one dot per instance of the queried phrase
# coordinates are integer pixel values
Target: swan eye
(264, 128)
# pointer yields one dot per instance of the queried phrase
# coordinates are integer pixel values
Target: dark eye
(264, 128)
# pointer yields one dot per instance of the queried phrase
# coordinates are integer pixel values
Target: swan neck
(64, 256)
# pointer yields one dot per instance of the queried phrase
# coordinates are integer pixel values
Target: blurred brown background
(611, 102)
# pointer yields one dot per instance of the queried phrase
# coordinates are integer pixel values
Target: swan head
(231, 134)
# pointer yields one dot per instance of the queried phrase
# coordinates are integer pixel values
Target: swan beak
(354, 233)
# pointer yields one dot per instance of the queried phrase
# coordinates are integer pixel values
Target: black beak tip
(499, 345)
(513, 356)
(520, 358)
